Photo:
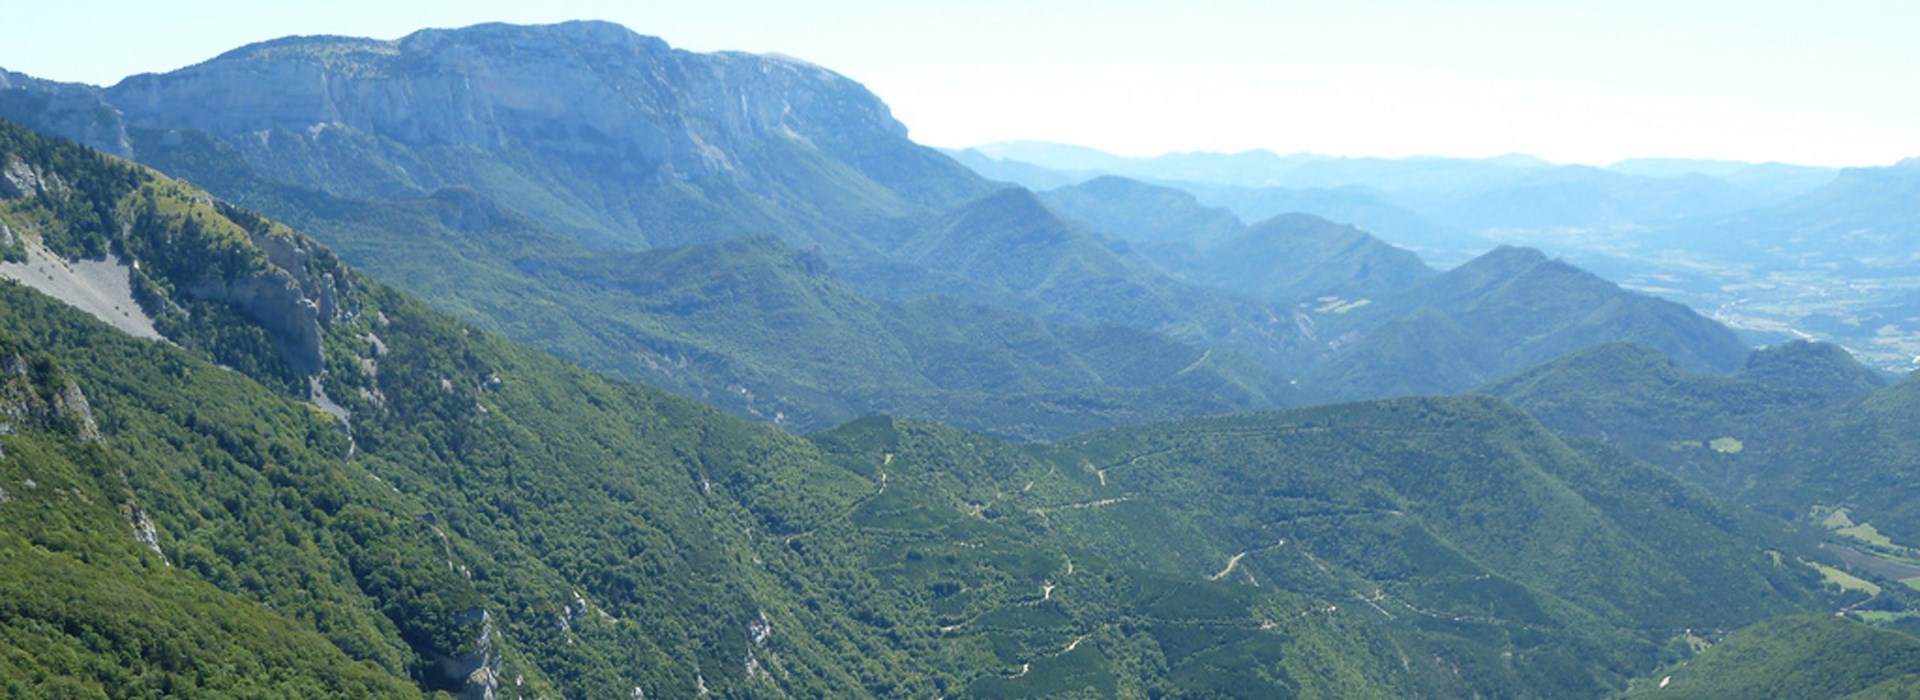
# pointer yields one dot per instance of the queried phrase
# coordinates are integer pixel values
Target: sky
(1580, 81)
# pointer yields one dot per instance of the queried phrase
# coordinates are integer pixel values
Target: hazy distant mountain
(1864, 219)
(1359, 206)
(1580, 196)
(1470, 195)
(1385, 324)
(1390, 326)
(1772, 181)
(1015, 172)
(74, 111)
(1302, 256)
(1011, 249)
(1284, 258)
(1138, 212)
(1266, 169)
(1052, 156)
(1507, 310)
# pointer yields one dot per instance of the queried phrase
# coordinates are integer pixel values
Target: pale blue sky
(1591, 81)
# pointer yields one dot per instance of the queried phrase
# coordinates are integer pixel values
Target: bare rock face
(145, 531)
(294, 257)
(72, 404)
(18, 180)
(274, 301)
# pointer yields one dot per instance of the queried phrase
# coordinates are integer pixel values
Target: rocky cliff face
(588, 93)
(586, 127)
(299, 291)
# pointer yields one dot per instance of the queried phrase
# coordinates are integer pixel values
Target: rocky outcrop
(318, 276)
(479, 669)
(145, 531)
(35, 393)
(301, 291)
(273, 300)
(72, 404)
(18, 180)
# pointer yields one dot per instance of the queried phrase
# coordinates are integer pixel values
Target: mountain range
(432, 508)
(1443, 205)
(240, 456)
(534, 207)
(1778, 251)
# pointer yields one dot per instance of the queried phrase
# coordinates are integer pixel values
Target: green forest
(896, 440)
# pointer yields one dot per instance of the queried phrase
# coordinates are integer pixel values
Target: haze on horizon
(1587, 81)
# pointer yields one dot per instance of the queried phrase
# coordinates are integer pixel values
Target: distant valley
(1777, 251)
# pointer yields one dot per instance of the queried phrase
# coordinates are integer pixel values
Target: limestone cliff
(587, 127)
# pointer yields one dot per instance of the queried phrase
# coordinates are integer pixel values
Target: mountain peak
(1821, 368)
(1296, 220)
(1109, 184)
(1503, 261)
(1513, 253)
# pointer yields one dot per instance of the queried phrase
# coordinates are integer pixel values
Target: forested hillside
(1802, 429)
(1810, 657)
(1500, 313)
(318, 486)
